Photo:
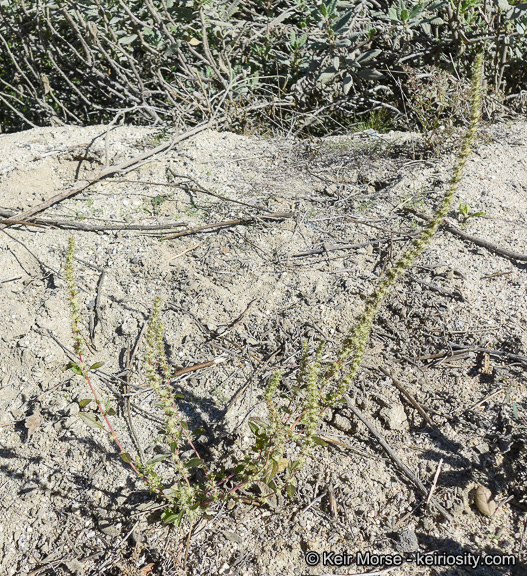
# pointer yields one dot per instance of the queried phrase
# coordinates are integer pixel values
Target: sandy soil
(244, 297)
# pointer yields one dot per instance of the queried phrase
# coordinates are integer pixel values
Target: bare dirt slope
(242, 298)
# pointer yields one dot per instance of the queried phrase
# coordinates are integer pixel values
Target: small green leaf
(347, 84)
(126, 457)
(194, 463)
(367, 56)
(83, 403)
(127, 39)
(293, 466)
(319, 441)
(96, 365)
(327, 74)
(198, 431)
(273, 471)
(291, 489)
(110, 412)
(90, 419)
(170, 517)
(74, 367)
(158, 458)
(369, 74)
(341, 24)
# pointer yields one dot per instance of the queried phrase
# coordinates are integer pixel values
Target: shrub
(285, 64)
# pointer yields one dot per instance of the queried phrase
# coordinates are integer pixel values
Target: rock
(482, 448)
(407, 542)
(232, 536)
(484, 501)
(394, 417)
(106, 527)
(72, 409)
(75, 567)
(129, 326)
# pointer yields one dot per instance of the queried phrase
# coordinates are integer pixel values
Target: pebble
(394, 417)
(72, 409)
(407, 542)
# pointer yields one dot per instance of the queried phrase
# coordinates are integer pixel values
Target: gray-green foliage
(272, 61)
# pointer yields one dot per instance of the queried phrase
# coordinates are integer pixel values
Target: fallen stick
(407, 395)
(195, 367)
(492, 352)
(475, 240)
(184, 252)
(184, 186)
(21, 222)
(332, 247)
(484, 244)
(42, 222)
(455, 295)
(276, 215)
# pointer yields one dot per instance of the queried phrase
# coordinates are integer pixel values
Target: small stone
(428, 524)
(232, 536)
(344, 424)
(23, 543)
(394, 417)
(484, 501)
(407, 542)
(129, 326)
(72, 409)
(75, 567)
(110, 529)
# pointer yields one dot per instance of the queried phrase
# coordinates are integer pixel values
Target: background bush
(296, 66)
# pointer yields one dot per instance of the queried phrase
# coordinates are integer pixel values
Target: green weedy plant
(81, 368)
(355, 345)
(437, 101)
(327, 389)
(465, 214)
(294, 418)
(306, 67)
(187, 497)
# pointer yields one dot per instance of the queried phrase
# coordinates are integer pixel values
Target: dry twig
(403, 467)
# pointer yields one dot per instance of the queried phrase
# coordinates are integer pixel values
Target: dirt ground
(242, 298)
